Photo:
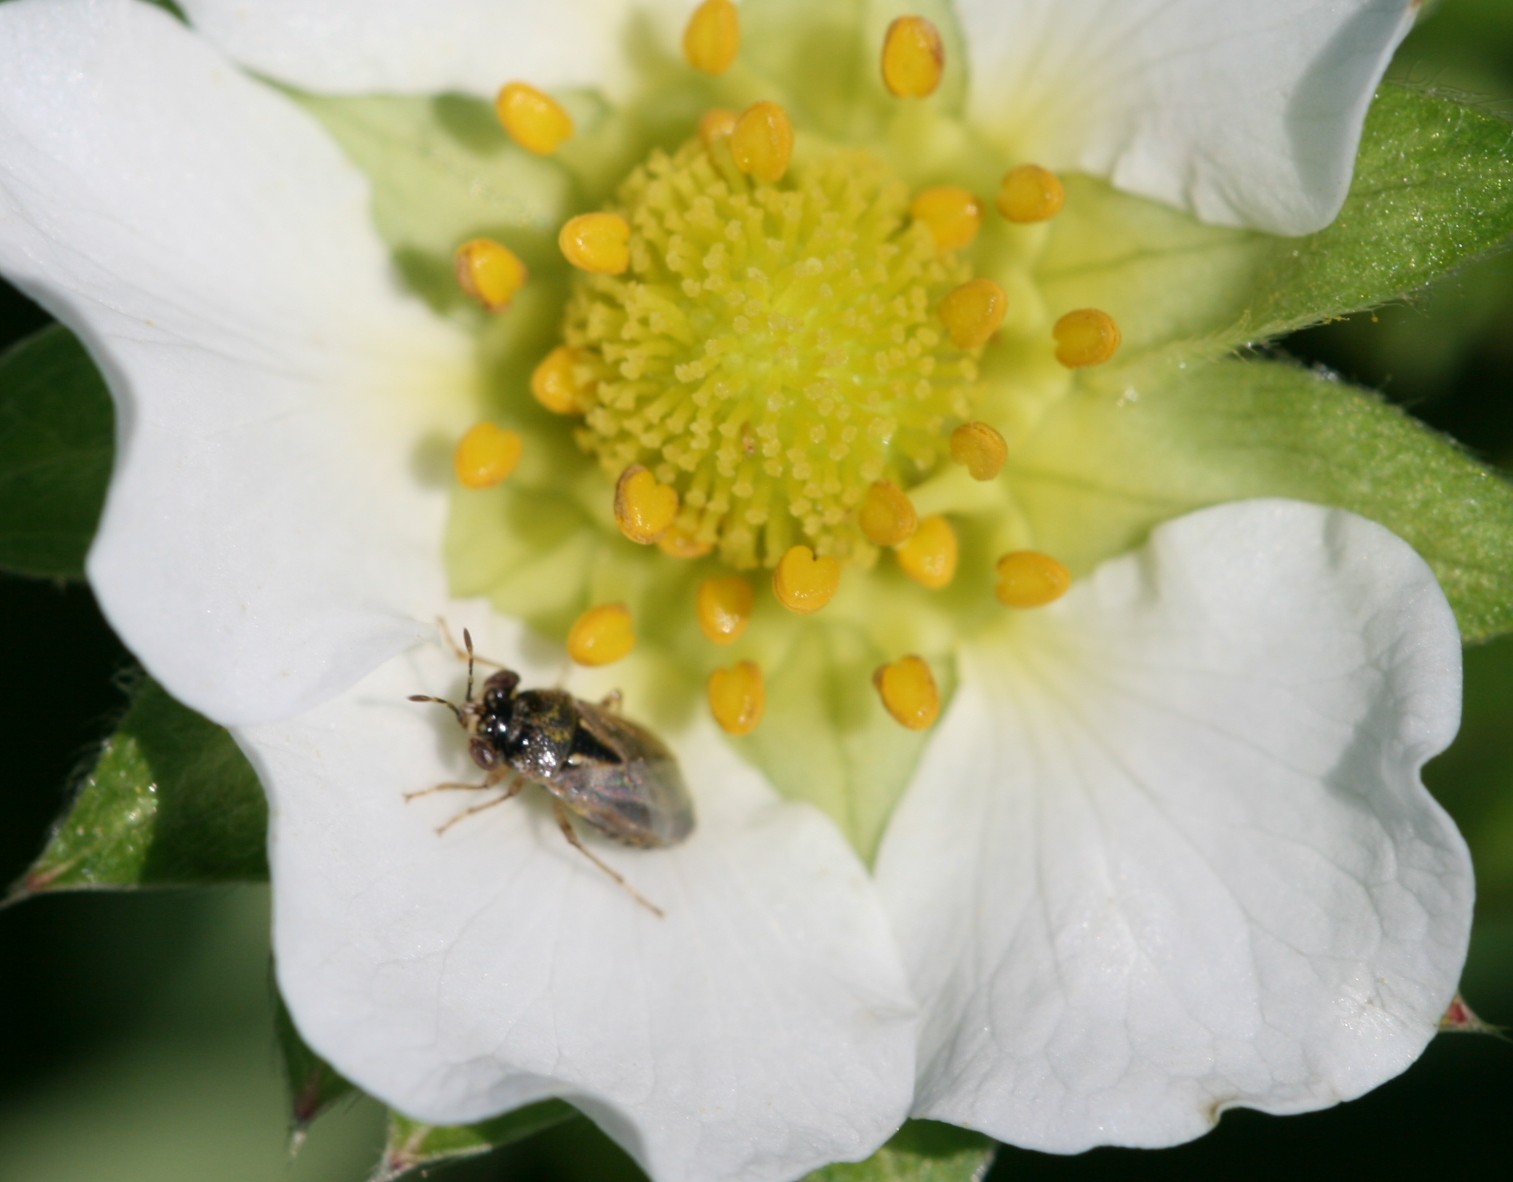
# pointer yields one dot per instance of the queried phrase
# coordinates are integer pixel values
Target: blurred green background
(137, 1040)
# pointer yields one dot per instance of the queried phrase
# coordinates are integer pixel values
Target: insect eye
(483, 752)
(498, 702)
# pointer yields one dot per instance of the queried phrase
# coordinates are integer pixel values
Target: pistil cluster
(765, 352)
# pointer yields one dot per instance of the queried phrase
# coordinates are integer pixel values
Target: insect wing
(641, 799)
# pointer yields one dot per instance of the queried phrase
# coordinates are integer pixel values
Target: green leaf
(411, 1145)
(314, 1085)
(170, 802)
(56, 442)
(1108, 465)
(1433, 189)
(921, 1151)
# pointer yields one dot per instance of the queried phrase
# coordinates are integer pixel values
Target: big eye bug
(612, 773)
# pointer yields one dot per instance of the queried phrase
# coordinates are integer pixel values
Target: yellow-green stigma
(772, 351)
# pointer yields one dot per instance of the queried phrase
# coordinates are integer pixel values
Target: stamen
(1030, 193)
(914, 57)
(973, 312)
(1027, 578)
(724, 606)
(980, 449)
(486, 455)
(1086, 337)
(597, 242)
(712, 37)
(601, 635)
(553, 384)
(887, 515)
(929, 557)
(677, 542)
(762, 142)
(953, 215)
(804, 583)
(644, 509)
(535, 121)
(715, 124)
(908, 690)
(737, 697)
(489, 272)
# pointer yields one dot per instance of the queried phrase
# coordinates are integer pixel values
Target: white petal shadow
(759, 1030)
(270, 510)
(1171, 852)
(1246, 114)
(428, 46)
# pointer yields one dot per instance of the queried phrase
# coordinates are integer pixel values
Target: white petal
(1245, 113)
(214, 251)
(422, 46)
(762, 1028)
(1171, 852)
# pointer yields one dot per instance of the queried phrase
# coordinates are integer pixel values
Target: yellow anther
(1030, 193)
(724, 607)
(535, 121)
(679, 543)
(715, 124)
(804, 583)
(597, 242)
(738, 697)
(887, 515)
(908, 690)
(602, 635)
(762, 142)
(914, 57)
(1086, 337)
(713, 36)
(552, 382)
(973, 312)
(952, 215)
(1027, 578)
(489, 272)
(929, 557)
(979, 449)
(486, 455)
(644, 509)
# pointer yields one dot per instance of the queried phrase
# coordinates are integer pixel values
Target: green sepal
(921, 1151)
(825, 737)
(411, 1145)
(1432, 190)
(57, 429)
(171, 801)
(314, 1085)
(442, 171)
(1110, 463)
(825, 61)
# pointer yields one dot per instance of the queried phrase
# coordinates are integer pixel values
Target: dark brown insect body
(616, 775)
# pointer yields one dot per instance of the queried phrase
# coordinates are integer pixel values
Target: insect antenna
(467, 639)
(456, 712)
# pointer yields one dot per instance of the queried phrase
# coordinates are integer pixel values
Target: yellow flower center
(770, 343)
(772, 350)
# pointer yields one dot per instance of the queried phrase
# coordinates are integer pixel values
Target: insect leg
(564, 822)
(611, 701)
(448, 786)
(512, 789)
